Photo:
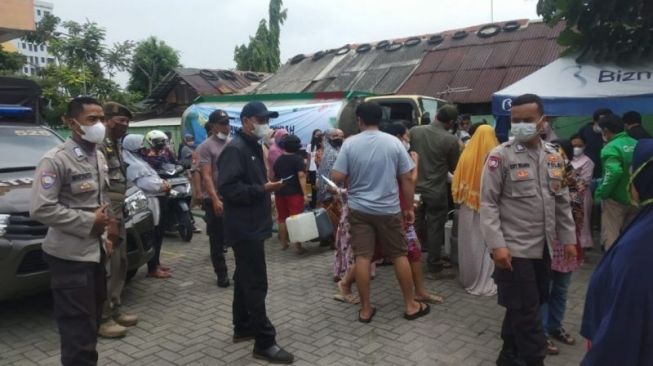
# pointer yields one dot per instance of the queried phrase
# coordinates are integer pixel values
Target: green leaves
(262, 54)
(153, 59)
(603, 30)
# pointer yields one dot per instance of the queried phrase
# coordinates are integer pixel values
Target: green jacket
(616, 157)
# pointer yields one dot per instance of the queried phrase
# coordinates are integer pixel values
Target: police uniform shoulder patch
(48, 179)
(493, 162)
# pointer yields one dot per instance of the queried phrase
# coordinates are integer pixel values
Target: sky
(205, 32)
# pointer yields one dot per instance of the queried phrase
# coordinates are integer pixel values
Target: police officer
(69, 195)
(524, 207)
(114, 321)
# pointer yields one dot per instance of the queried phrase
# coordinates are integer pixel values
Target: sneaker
(551, 348)
(126, 320)
(111, 329)
(273, 354)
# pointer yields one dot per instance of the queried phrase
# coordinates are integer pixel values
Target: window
(29, 45)
(26, 70)
(23, 44)
(43, 60)
(50, 60)
(42, 48)
(32, 71)
(46, 12)
(38, 12)
(31, 59)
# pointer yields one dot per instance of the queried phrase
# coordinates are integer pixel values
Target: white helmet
(156, 138)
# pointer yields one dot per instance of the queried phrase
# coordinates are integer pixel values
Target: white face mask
(261, 131)
(222, 136)
(406, 145)
(578, 151)
(93, 134)
(524, 131)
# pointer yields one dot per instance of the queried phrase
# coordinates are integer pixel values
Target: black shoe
(223, 282)
(273, 354)
(509, 359)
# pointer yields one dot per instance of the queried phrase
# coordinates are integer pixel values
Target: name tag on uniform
(82, 176)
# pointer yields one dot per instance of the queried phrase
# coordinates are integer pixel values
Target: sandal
(348, 299)
(159, 273)
(422, 311)
(431, 299)
(364, 320)
(562, 336)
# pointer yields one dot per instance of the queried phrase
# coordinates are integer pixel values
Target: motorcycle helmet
(156, 139)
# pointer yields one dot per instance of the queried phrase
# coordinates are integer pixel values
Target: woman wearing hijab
(584, 166)
(474, 260)
(275, 150)
(617, 320)
(146, 178)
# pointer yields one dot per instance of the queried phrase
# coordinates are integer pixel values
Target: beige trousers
(614, 218)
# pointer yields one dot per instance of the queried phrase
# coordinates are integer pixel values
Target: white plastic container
(302, 227)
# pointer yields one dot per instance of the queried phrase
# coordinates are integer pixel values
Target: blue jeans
(554, 311)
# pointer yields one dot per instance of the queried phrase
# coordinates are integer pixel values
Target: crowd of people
(527, 208)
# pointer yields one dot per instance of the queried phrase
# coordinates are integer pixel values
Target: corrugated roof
(465, 70)
(208, 81)
(471, 69)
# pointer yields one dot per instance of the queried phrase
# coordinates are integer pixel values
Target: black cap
(257, 109)
(219, 116)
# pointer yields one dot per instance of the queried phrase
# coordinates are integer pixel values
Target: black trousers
(312, 180)
(521, 292)
(159, 230)
(215, 231)
(250, 290)
(79, 291)
(430, 219)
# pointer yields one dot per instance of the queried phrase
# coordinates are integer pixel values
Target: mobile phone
(287, 178)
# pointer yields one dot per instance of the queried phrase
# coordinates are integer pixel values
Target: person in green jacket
(616, 157)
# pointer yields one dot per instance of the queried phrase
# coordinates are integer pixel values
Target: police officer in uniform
(524, 207)
(69, 195)
(114, 321)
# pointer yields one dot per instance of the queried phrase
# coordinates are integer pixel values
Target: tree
(85, 65)
(602, 30)
(153, 59)
(10, 62)
(262, 54)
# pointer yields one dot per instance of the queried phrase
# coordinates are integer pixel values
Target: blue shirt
(372, 160)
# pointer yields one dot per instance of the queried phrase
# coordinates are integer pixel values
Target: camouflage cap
(112, 109)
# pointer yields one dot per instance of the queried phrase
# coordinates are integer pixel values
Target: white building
(36, 56)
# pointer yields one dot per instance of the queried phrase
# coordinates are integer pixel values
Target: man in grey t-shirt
(372, 162)
(209, 151)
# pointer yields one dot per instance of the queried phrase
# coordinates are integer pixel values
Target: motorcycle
(178, 204)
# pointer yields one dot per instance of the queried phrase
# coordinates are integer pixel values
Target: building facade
(36, 56)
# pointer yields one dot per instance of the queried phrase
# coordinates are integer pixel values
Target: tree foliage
(10, 62)
(153, 59)
(603, 30)
(85, 64)
(262, 54)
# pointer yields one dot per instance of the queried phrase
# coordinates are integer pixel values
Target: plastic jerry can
(324, 226)
(302, 227)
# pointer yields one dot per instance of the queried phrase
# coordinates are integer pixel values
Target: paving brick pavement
(186, 320)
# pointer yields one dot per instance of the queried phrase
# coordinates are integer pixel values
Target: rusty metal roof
(208, 81)
(469, 70)
(464, 70)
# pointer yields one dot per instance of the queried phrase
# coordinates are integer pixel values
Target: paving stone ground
(186, 320)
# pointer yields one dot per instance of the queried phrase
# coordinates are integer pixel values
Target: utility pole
(491, 11)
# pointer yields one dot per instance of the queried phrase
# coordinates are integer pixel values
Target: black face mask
(336, 142)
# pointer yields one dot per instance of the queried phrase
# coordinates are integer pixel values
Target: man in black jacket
(633, 123)
(243, 184)
(591, 133)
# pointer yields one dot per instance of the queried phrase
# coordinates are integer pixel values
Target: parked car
(22, 268)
